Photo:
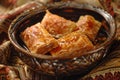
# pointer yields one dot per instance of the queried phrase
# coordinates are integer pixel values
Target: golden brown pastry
(73, 44)
(38, 40)
(89, 26)
(57, 26)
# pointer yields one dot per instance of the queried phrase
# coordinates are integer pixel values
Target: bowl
(46, 64)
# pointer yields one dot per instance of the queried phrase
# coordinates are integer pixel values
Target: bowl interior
(69, 12)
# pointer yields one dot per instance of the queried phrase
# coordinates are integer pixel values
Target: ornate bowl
(49, 65)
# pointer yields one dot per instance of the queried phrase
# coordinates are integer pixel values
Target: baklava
(89, 26)
(57, 25)
(38, 40)
(72, 45)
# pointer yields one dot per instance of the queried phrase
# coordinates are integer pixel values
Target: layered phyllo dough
(61, 37)
(57, 25)
(72, 45)
(89, 26)
(38, 40)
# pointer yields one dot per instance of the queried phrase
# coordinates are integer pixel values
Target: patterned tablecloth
(108, 69)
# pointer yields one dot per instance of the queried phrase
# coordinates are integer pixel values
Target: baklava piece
(72, 45)
(38, 40)
(57, 25)
(89, 26)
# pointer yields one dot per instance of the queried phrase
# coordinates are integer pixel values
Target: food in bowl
(50, 65)
(57, 25)
(89, 26)
(61, 37)
(72, 45)
(38, 40)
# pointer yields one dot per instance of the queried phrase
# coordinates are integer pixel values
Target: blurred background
(6, 5)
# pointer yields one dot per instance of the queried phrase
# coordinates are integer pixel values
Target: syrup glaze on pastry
(57, 25)
(89, 26)
(38, 40)
(61, 37)
(72, 45)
